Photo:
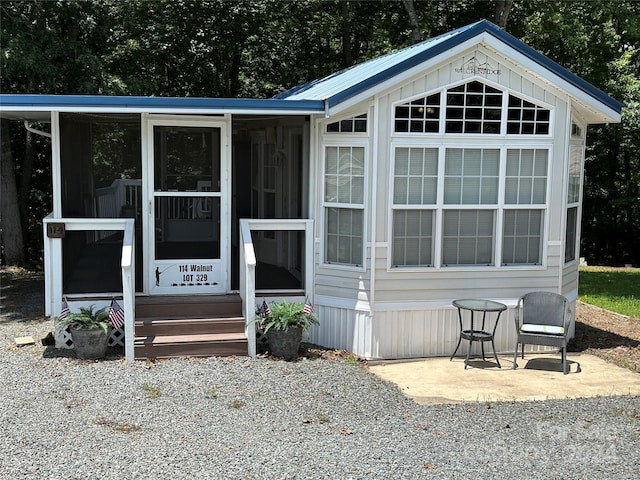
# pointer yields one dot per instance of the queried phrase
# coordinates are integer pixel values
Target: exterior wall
(411, 313)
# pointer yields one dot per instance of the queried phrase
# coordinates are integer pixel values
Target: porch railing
(248, 265)
(54, 228)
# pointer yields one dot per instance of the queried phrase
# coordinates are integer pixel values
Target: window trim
(499, 207)
(340, 141)
(503, 122)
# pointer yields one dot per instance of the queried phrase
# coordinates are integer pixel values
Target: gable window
(349, 125)
(344, 204)
(461, 225)
(526, 118)
(473, 108)
(421, 115)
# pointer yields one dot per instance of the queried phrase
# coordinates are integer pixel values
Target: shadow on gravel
(588, 337)
(113, 353)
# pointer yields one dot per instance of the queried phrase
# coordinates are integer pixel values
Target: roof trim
(35, 102)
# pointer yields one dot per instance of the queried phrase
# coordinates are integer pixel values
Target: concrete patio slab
(539, 377)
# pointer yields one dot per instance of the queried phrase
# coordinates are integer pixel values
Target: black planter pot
(89, 343)
(285, 343)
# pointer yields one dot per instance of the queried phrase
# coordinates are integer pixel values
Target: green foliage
(615, 289)
(88, 318)
(285, 315)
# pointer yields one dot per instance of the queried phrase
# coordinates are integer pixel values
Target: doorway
(188, 217)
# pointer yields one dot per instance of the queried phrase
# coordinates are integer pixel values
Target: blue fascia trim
(155, 103)
(467, 33)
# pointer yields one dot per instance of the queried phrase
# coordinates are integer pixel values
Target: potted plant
(283, 325)
(89, 331)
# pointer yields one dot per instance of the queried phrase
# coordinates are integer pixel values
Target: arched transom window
(472, 108)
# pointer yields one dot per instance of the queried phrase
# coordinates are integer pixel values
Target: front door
(188, 206)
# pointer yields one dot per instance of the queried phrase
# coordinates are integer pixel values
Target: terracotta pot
(89, 343)
(285, 343)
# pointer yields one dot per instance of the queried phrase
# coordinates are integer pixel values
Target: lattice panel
(261, 341)
(64, 340)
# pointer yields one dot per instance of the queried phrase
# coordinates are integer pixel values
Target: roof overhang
(38, 107)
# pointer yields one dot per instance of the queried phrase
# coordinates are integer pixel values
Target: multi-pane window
(525, 186)
(472, 108)
(421, 115)
(415, 184)
(526, 118)
(468, 237)
(349, 125)
(573, 199)
(471, 176)
(344, 204)
(472, 209)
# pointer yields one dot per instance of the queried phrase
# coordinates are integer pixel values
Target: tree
(10, 229)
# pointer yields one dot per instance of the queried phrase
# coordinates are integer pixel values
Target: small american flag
(64, 311)
(308, 308)
(116, 315)
(264, 310)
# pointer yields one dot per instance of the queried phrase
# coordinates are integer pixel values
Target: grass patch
(211, 393)
(152, 392)
(615, 289)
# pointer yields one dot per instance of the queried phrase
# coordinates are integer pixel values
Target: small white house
(450, 169)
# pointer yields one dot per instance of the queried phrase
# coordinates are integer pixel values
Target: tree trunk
(10, 228)
(503, 7)
(25, 185)
(347, 54)
(415, 36)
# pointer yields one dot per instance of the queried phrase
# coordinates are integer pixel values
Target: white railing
(248, 265)
(53, 266)
(121, 192)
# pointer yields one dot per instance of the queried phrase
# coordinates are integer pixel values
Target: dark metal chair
(543, 318)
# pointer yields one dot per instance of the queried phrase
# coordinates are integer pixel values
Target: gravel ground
(317, 418)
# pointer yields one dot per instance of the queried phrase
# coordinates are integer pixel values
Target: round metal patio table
(481, 334)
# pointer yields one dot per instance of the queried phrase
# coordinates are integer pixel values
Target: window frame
(336, 139)
(573, 204)
(440, 206)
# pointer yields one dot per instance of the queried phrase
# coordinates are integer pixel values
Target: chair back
(543, 308)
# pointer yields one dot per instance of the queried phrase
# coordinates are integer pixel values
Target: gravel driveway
(237, 418)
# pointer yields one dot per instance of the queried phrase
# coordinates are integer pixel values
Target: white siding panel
(344, 329)
(429, 333)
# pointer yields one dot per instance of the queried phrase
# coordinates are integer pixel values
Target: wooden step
(170, 346)
(188, 326)
(181, 306)
(195, 325)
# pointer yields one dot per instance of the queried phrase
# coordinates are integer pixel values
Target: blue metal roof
(340, 86)
(135, 103)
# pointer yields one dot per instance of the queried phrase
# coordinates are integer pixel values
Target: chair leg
(515, 357)
(564, 360)
(523, 351)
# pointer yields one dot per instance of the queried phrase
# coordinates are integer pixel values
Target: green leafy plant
(88, 318)
(285, 315)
